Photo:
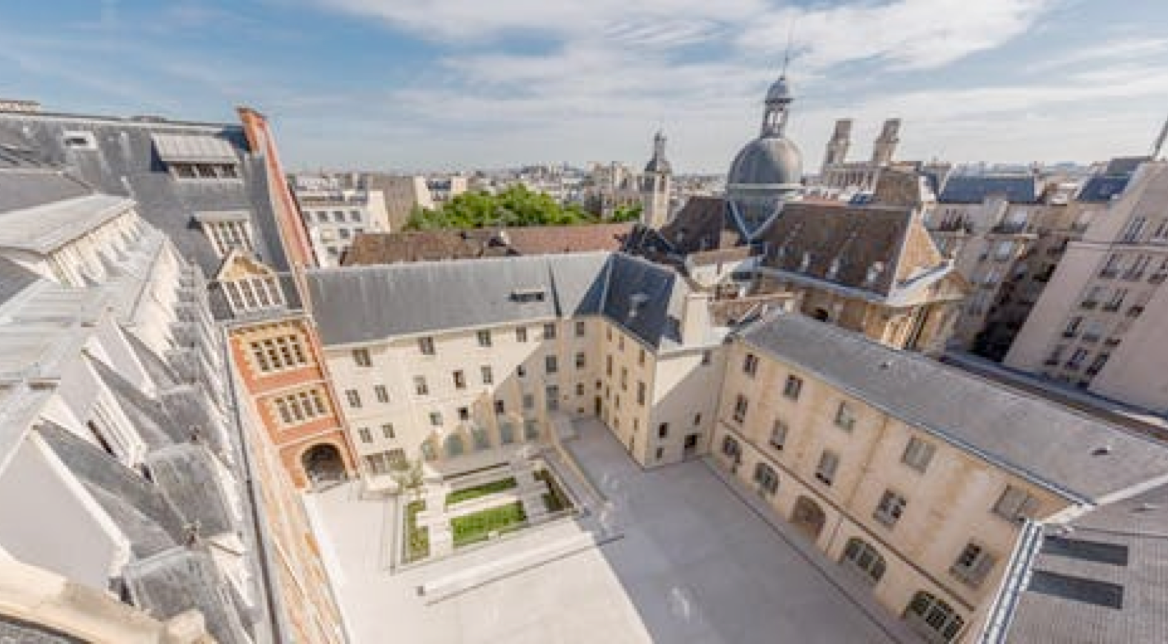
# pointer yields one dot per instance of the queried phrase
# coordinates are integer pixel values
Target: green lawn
(419, 538)
(480, 490)
(555, 500)
(478, 526)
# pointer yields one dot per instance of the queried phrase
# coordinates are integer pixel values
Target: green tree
(627, 213)
(410, 477)
(515, 206)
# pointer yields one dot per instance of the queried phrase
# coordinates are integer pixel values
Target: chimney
(695, 317)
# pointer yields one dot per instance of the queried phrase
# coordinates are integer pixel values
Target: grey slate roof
(28, 187)
(14, 279)
(1101, 189)
(1049, 443)
(1119, 551)
(961, 188)
(21, 632)
(372, 303)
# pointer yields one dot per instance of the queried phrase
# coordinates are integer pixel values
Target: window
(750, 365)
(864, 559)
(890, 508)
(500, 407)
(707, 356)
(530, 430)
(793, 386)
(731, 448)
(641, 357)
(624, 379)
(252, 293)
(973, 564)
(549, 331)
(386, 462)
(528, 401)
(300, 406)
(608, 365)
(278, 353)
(521, 371)
(917, 454)
(436, 418)
(581, 328)
(464, 413)
(740, 406)
(426, 346)
(552, 397)
(1016, 504)
(550, 365)
(487, 374)
(640, 393)
(580, 360)
(387, 431)
(228, 235)
(521, 334)
(766, 478)
(420, 386)
(361, 357)
(353, 397)
(778, 438)
(844, 418)
(932, 618)
(365, 434)
(660, 453)
(697, 419)
(828, 463)
(459, 379)
(663, 430)
(382, 393)
(484, 338)
(580, 389)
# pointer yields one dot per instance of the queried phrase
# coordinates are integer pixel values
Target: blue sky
(448, 84)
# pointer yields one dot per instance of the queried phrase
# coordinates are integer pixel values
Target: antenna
(1156, 147)
(787, 53)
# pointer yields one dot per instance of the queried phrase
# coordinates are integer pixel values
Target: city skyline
(458, 85)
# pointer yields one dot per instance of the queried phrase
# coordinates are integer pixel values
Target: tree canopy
(515, 206)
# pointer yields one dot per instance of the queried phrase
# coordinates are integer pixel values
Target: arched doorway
(323, 464)
(808, 517)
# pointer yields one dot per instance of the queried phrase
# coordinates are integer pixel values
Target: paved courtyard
(684, 560)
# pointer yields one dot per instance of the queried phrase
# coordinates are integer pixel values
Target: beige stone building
(1098, 322)
(928, 483)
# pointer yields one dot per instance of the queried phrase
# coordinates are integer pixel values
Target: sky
(462, 84)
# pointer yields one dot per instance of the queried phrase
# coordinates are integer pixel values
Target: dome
(766, 164)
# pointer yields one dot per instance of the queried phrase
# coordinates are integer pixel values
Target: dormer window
(227, 230)
(197, 157)
(79, 140)
(254, 293)
(528, 295)
(874, 272)
(833, 270)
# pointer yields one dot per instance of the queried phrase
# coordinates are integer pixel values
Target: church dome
(766, 163)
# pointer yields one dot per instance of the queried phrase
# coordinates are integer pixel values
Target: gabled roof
(47, 227)
(429, 245)
(967, 188)
(704, 223)
(1046, 442)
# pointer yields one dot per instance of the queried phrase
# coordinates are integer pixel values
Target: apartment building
(335, 217)
(931, 485)
(477, 357)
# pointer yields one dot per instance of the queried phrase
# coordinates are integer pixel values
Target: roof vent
(635, 303)
(528, 295)
(1102, 450)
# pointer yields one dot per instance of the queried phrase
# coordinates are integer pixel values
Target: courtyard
(670, 555)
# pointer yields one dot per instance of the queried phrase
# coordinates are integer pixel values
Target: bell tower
(655, 186)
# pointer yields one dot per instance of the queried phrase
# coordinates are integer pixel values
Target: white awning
(187, 148)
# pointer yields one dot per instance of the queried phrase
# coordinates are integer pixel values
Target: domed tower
(769, 170)
(655, 186)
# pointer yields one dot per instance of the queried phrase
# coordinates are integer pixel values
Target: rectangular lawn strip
(554, 499)
(418, 537)
(478, 526)
(480, 490)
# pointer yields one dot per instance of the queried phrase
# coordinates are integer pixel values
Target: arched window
(933, 619)
(453, 445)
(864, 559)
(731, 448)
(766, 478)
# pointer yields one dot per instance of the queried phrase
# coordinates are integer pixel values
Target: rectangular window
(792, 388)
(521, 334)
(278, 353)
(300, 406)
(580, 360)
(640, 393)
(426, 346)
(464, 413)
(361, 357)
(459, 379)
(660, 453)
(488, 375)
(778, 435)
(521, 371)
(552, 397)
(500, 407)
(528, 401)
(581, 328)
(382, 393)
(365, 434)
(918, 454)
(707, 357)
(1016, 504)
(663, 430)
(750, 365)
(740, 406)
(624, 379)
(549, 331)
(353, 397)
(387, 431)
(608, 365)
(579, 389)
(420, 386)
(973, 564)
(436, 418)
(641, 357)
(697, 419)
(620, 344)
(484, 338)
(550, 365)
(825, 471)
(844, 418)
(890, 508)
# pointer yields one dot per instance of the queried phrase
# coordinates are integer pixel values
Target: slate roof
(966, 188)
(1100, 578)
(703, 223)
(430, 245)
(1051, 444)
(29, 187)
(47, 227)
(13, 279)
(125, 163)
(1100, 189)
(372, 303)
(184, 578)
